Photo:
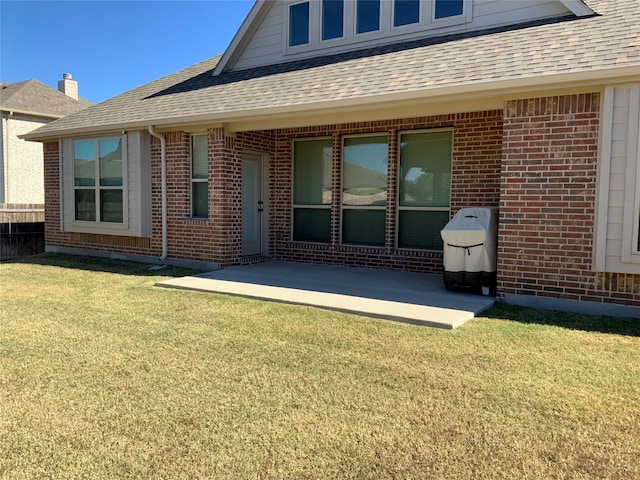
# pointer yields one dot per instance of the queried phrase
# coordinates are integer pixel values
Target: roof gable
(262, 38)
(35, 98)
(244, 33)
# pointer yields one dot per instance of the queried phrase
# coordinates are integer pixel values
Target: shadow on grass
(571, 321)
(96, 264)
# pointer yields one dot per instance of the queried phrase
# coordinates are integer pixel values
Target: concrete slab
(402, 296)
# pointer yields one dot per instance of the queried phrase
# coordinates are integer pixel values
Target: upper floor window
(448, 8)
(98, 180)
(323, 24)
(406, 12)
(332, 19)
(299, 24)
(367, 16)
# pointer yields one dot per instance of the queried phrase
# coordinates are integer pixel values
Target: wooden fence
(21, 230)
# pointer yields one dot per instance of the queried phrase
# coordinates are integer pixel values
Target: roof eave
(504, 89)
(500, 87)
(31, 113)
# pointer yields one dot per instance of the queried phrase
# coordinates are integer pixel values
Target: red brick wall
(477, 144)
(56, 238)
(540, 167)
(216, 239)
(547, 202)
(52, 194)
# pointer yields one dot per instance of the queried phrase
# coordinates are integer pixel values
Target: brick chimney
(68, 86)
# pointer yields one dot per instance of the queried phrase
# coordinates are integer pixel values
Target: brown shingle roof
(36, 98)
(610, 40)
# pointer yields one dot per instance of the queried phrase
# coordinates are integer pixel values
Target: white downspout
(6, 163)
(163, 180)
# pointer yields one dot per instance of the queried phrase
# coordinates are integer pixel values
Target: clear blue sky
(112, 46)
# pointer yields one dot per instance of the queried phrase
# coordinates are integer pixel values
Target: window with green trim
(424, 188)
(312, 192)
(364, 190)
(199, 176)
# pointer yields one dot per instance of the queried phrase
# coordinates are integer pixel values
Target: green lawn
(103, 375)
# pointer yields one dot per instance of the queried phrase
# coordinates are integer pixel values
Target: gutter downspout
(163, 180)
(6, 159)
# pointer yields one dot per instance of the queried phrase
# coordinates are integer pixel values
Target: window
(617, 229)
(367, 16)
(98, 180)
(638, 229)
(425, 188)
(332, 19)
(406, 12)
(299, 24)
(633, 163)
(106, 185)
(312, 160)
(199, 177)
(316, 25)
(364, 190)
(448, 8)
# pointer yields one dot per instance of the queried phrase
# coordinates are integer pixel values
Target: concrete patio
(401, 296)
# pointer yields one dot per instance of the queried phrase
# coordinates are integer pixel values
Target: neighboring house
(25, 106)
(351, 132)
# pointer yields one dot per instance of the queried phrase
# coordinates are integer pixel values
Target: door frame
(263, 194)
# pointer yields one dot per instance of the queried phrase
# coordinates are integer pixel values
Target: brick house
(349, 132)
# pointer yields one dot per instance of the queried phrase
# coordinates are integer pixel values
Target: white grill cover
(470, 240)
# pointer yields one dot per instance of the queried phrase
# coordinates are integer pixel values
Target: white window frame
(453, 20)
(94, 226)
(399, 180)
(381, 22)
(630, 248)
(314, 12)
(617, 221)
(336, 40)
(427, 23)
(408, 25)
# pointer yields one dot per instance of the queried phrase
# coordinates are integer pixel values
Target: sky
(110, 47)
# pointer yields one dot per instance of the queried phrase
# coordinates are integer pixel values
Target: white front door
(253, 211)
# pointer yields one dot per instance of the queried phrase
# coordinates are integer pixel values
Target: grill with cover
(470, 249)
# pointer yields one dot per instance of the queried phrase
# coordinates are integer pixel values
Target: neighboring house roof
(32, 97)
(556, 52)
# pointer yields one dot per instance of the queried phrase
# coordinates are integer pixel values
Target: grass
(102, 375)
